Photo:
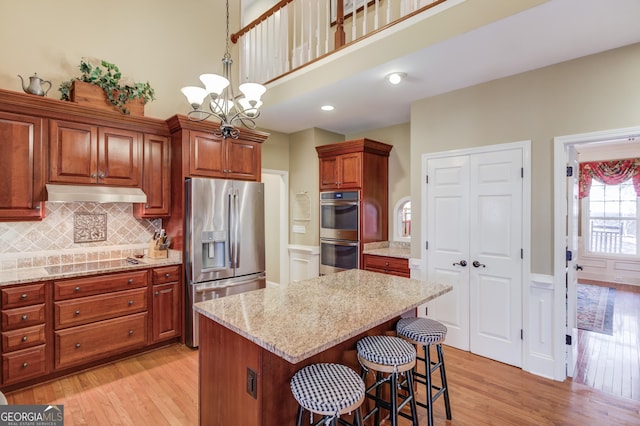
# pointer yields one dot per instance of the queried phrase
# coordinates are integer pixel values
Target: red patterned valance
(609, 172)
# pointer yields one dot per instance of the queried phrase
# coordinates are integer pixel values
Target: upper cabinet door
(73, 152)
(350, 169)
(155, 177)
(243, 160)
(206, 155)
(119, 154)
(85, 154)
(21, 167)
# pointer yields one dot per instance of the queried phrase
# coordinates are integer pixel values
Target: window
(612, 219)
(402, 216)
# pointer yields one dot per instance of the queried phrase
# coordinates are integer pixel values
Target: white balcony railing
(294, 33)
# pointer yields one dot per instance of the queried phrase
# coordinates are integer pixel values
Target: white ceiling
(553, 32)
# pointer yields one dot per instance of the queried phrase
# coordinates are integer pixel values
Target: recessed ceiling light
(327, 107)
(395, 77)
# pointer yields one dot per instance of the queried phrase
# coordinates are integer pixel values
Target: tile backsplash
(51, 241)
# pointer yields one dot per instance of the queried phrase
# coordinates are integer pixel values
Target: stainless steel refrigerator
(224, 242)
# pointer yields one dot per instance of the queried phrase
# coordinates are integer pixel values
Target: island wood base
(225, 358)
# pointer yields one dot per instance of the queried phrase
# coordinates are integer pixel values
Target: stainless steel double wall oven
(339, 231)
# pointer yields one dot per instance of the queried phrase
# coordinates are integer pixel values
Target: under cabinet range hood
(95, 194)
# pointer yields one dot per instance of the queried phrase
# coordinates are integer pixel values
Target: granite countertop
(46, 273)
(389, 249)
(299, 320)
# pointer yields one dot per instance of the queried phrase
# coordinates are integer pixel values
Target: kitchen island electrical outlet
(299, 229)
(252, 383)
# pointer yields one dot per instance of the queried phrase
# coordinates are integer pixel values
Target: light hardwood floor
(161, 388)
(612, 363)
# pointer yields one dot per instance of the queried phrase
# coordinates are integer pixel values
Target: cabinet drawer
(385, 264)
(25, 295)
(22, 317)
(24, 364)
(23, 338)
(166, 275)
(95, 308)
(78, 345)
(94, 285)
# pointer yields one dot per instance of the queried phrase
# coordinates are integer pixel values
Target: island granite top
(299, 320)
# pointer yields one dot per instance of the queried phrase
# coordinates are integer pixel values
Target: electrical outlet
(252, 383)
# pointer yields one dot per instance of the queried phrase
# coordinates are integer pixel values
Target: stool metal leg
(427, 373)
(413, 405)
(443, 378)
(299, 416)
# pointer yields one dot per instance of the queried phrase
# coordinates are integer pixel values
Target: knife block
(156, 253)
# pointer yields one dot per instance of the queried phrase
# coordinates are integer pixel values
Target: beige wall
(593, 93)
(304, 178)
(160, 41)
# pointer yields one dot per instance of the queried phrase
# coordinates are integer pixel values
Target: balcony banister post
(339, 37)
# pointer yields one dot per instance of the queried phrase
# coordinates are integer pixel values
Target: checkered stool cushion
(386, 350)
(327, 388)
(421, 330)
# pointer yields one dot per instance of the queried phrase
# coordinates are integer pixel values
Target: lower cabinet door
(85, 343)
(24, 364)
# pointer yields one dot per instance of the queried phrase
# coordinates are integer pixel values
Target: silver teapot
(35, 85)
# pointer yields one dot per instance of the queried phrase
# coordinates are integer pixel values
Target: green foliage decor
(108, 76)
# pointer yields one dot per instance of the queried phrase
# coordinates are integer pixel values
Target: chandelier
(221, 100)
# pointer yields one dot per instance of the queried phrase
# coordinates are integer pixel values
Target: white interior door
(474, 236)
(448, 251)
(495, 240)
(572, 246)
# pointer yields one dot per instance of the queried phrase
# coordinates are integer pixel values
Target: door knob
(578, 267)
(462, 263)
(478, 264)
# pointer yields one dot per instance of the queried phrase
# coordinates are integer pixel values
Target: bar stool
(389, 357)
(426, 333)
(3, 400)
(329, 390)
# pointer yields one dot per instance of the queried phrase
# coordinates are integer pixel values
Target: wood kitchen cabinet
(156, 178)
(21, 167)
(86, 154)
(197, 152)
(386, 265)
(212, 156)
(95, 317)
(24, 333)
(353, 164)
(166, 312)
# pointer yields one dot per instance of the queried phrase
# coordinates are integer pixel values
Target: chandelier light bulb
(214, 83)
(195, 95)
(252, 91)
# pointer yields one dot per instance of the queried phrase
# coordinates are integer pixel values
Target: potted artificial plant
(101, 87)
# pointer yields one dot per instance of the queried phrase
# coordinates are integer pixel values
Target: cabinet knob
(130, 281)
(37, 207)
(77, 345)
(167, 275)
(157, 293)
(25, 338)
(130, 332)
(78, 312)
(146, 206)
(100, 175)
(25, 364)
(23, 296)
(24, 317)
(93, 176)
(130, 302)
(76, 289)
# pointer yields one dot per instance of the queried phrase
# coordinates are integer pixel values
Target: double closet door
(474, 236)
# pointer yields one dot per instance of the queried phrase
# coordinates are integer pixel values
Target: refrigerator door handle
(237, 227)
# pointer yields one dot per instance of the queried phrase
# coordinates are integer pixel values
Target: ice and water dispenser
(214, 249)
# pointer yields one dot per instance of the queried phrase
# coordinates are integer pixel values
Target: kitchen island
(252, 343)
